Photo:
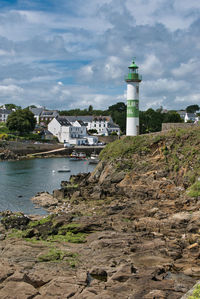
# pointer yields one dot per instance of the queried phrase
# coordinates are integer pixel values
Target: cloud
(88, 49)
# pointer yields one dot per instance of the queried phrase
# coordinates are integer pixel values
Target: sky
(67, 54)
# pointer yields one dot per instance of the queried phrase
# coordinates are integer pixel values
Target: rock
(45, 200)
(98, 273)
(59, 194)
(155, 294)
(59, 287)
(14, 220)
(18, 290)
(6, 270)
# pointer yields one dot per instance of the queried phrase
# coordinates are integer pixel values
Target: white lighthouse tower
(132, 119)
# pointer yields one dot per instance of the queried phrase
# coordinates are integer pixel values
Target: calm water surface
(21, 180)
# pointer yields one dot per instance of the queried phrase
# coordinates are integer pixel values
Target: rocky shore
(130, 229)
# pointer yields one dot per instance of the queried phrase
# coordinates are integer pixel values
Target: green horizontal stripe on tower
(132, 108)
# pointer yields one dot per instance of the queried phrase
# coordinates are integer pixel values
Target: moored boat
(77, 156)
(94, 159)
(64, 170)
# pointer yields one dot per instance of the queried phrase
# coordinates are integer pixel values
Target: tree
(21, 121)
(192, 108)
(172, 117)
(118, 114)
(12, 106)
(150, 121)
(90, 109)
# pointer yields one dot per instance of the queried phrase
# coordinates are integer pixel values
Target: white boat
(94, 159)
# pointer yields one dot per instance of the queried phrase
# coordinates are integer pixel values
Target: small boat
(74, 156)
(77, 156)
(64, 170)
(82, 155)
(94, 159)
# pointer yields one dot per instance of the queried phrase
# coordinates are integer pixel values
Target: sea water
(21, 180)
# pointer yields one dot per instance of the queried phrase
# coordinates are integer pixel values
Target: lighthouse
(132, 119)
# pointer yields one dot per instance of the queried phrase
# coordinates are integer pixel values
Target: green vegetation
(151, 121)
(52, 255)
(196, 293)
(125, 148)
(21, 121)
(179, 150)
(48, 230)
(15, 233)
(41, 221)
(194, 190)
(12, 106)
(71, 227)
(3, 128)
(68, 237)
(192, 108)
(56, 255)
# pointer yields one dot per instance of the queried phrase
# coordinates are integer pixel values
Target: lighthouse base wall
(132, 126)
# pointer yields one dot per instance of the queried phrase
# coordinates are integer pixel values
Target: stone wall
(169, 126)
(23, 148)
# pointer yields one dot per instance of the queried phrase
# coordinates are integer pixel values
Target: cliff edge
(130, 229)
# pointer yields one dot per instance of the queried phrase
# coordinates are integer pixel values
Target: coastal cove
(21, 180)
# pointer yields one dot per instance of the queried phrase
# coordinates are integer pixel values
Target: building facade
(67, 132)
(4, 114)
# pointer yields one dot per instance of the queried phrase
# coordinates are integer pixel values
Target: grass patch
(15, 233)
(68, 237)
(56, 255)
(196, 293)
(194, 190)
(40, 222)
(71, 227)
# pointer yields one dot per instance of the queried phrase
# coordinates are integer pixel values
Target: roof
(5, 111)
(49, 113)
(83, 118)
(63, 121)
(81, 122)
(191, 114)
(47, 132)
(133, 65)
(36, 111)
(102, 118)
(113, 125)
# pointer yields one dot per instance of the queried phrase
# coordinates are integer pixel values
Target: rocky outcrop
(7, 154)
(128, 230)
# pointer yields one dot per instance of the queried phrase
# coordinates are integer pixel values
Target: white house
(75, 133)
(191, 117)
(86, 119)
(4, 114)
(104, 125)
